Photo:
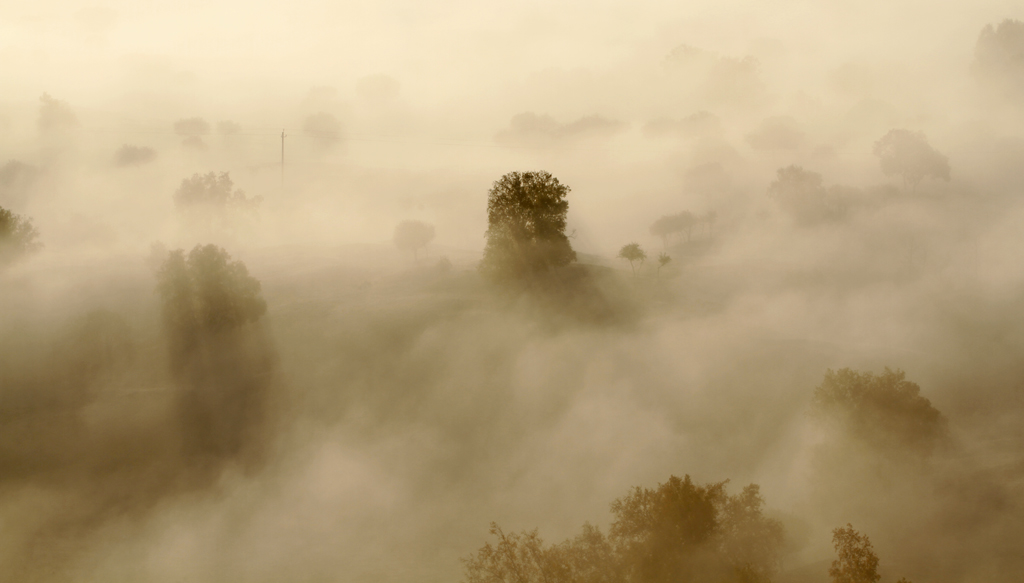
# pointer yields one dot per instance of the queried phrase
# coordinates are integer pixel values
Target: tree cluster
(683, 223)
(211, 204)
(884, 409)
(679, 531)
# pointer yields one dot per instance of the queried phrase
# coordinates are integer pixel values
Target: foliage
(802, 195)
(413, 236)
(857, 562)
(999, 57)
(219, 361)
(17, 236)
(883, 409)
(908, 154)
(55, 114)
(526, 219)
(211, 203)
(632, 252)
(682, 222)
(678, 532)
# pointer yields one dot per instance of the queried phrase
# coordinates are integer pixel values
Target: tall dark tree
(526, 219)
(220, 360)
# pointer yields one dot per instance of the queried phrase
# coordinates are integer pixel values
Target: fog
(250, 327)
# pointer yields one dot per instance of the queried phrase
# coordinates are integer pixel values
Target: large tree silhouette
(220, 359)
(526, 219)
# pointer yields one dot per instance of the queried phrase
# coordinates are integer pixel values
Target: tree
(857, 562)
(55, 114)
(17, 237)
(686, 221)
(413, 236)
(323, 128)
(633, 253)
(192, 131)
(802, 195)
(999, 57)
(526, 219)
(663, 260)
(680, 531)
(884, 409)
(219, 360)
(212, 203)
(908, 154)
(664, 227)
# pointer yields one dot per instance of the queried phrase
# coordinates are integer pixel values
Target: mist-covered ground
(372, 406)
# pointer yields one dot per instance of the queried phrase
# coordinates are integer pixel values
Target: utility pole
(282, 159)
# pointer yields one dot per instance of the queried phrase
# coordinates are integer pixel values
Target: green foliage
(526, 219)
(857, 562)
(907, 154)
(17, 237)
(678, 532)
(668, 225)
(883, 410)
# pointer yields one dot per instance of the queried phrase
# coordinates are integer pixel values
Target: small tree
(664, 227)
(526, 219)
(413, 236)
(686, 221)
(633, 253)
(663, 260)
(857, 562)
(908, 154)
(17, 237)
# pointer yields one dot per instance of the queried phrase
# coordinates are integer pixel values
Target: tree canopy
(17, 236)
(999, 57)
(884, 409)
(633, 253)
(907, 154)
(679, 531)
(526, 220)
(802, 195)
(857, 561)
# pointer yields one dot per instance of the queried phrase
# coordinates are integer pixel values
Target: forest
(530, 294)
